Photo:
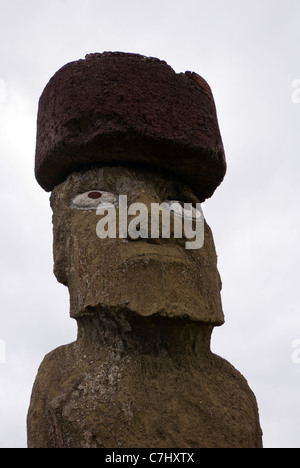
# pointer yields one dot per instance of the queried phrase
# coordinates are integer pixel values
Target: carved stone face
(146, 276)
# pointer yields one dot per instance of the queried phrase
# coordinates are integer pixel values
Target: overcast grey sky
(248, 51)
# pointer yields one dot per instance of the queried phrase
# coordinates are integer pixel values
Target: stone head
(145, 275)
(129, 126)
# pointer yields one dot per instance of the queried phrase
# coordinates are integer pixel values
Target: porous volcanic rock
(141, 382)
(147, 276)
(115, 107)
(141, 373)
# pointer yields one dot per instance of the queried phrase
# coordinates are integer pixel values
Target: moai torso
(118, 127)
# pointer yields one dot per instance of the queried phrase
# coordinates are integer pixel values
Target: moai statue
(117, 128)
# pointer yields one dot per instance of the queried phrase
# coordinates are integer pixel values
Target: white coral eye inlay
(91, 200)
(182, 209)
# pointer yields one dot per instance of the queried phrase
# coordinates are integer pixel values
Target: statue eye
(94, 195)
(179, 208)
(91, 200)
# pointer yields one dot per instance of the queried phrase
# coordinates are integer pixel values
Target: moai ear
(60, 241)
(60, 258)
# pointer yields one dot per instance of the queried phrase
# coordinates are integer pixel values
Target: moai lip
(115, 107)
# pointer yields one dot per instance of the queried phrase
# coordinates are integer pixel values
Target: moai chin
(141, 373)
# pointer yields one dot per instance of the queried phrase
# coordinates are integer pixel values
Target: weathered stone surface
(140, 382)
(141, 373)
(146, 276)
(116, 107)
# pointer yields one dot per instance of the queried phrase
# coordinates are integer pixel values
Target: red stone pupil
(94, 195)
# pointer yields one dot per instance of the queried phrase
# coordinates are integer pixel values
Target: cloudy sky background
(248, 51)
